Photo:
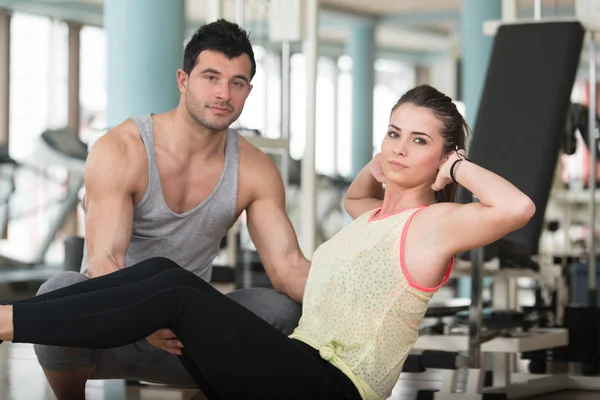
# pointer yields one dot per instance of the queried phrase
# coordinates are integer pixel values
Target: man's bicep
(108, 226)
(269, 225)
(268, 222)
(108, 203)
(274, 237)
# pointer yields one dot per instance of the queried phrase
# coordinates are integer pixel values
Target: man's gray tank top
(190, 239)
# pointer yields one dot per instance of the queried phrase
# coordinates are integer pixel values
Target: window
(392, 79)
(38, 68)
(92, 81)
(325, 114)
(38, 101)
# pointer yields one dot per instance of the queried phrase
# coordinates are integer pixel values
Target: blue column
(361, 48)
(476, 49)
(144, 50)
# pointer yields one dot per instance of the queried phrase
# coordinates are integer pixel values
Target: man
(171, 185)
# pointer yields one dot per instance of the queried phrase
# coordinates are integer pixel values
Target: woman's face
(412, 149)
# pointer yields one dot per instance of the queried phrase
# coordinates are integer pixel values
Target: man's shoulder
(123, 139)
(258, 172)
(253, 157)
(127, 132)
(121, 147)
(117, 158)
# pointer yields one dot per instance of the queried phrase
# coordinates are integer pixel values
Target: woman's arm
(365, 192)
(502, 208)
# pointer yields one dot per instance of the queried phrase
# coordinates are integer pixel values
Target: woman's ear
(444, 159)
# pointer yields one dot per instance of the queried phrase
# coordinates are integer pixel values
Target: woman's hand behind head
(376, 170)
(444, 177)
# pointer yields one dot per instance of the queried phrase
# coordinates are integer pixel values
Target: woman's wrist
(454, 167)
(455, 160)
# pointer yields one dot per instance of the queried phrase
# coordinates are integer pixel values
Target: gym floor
(21, 378)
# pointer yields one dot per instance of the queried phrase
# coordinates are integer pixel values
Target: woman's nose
(399, 149)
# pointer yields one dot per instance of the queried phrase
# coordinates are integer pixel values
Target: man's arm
(110, 177)
(273, 233)
(113, 169)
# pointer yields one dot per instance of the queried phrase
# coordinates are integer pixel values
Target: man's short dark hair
(221, 36)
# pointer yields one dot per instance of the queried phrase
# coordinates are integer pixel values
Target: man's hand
(99, 269)
(166, 340)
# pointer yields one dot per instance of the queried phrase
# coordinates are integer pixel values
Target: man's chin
(218, 126)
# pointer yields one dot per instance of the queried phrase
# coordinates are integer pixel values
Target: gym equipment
(330, 200)
(518, 134)
(54, 147)
(579, 119)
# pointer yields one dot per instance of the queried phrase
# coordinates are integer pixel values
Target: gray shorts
(142, 361)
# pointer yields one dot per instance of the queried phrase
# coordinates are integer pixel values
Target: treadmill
(55, 147)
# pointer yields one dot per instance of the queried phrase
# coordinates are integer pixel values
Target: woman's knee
(176, 276)
(159, 264)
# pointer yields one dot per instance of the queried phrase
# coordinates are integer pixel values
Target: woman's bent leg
(142, 270)
(230, 352)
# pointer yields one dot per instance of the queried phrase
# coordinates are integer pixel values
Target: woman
(366, 294)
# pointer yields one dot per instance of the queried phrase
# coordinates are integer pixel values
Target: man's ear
(182, 81)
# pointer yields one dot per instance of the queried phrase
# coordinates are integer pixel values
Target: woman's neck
(398, 199)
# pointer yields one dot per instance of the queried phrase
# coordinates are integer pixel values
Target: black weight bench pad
(520, 123)
(416, 363)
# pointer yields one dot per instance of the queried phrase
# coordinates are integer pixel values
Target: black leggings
(229, 351)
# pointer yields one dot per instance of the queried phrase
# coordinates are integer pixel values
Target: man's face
(216, 89)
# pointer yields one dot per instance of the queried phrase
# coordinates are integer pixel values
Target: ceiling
(404, 26)
(387, 7)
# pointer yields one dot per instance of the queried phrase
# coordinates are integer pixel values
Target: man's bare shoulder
(118, 159)
(254, 160)
(121, 144)
(258, 172)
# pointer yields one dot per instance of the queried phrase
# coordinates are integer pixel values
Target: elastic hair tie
(460, 158)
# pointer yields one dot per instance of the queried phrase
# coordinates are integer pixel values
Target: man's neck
(185, 136)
